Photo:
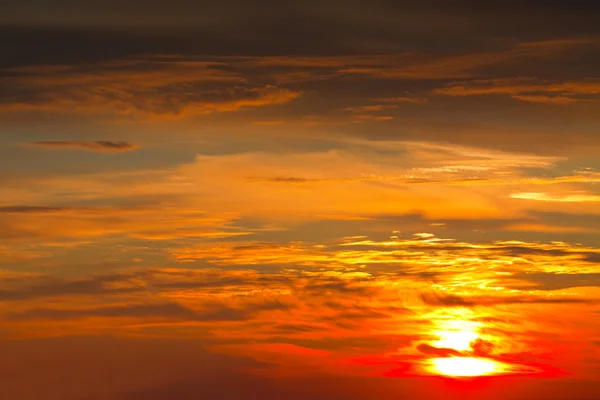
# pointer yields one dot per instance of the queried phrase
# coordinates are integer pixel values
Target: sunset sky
(309, 200)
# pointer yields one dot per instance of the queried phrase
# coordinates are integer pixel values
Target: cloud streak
(528, 90)
(101, 146)
(559, 198)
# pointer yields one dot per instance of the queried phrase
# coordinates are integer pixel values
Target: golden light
(465, 366)
(456, 334)
(460, 340)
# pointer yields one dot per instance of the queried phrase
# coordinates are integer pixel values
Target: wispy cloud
(531, 90)
(402, 99)
(179, 86)
(559, 198)
(172, 310)
(98, 146)
(139, 90)
(32, 209)
(370, 117)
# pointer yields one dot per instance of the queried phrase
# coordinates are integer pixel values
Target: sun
(456, 334)
(455, 338)
(465, 366)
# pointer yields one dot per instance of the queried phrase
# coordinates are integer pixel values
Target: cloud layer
(294, 201)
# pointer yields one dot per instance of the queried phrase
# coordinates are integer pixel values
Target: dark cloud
(99, 146)
(592, 257)
(230, 64)
(67, 32)
(270, 27)
(212, 312)
(134, 89)
(360, 313)
(338, 286)
(292, 179)
(529, 90)
(478, 347)
(518, 251)
(541, 300)
(437, 299)
(31, 209)
(528, 251)
(167, 310)
(418, 221)
(374, 343)
(320, 387)
(98, 285)
(437, 351)
(554, 281)
(148, 281)
(584, 220)
(459, 224)
(296, 328)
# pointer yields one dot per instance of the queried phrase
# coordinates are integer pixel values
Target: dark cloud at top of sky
(190, 12)
(65, 31)
(114, 61)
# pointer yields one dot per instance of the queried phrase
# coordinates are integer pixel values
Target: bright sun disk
(465, 366)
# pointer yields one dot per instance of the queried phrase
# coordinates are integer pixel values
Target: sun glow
(465, 366)
(457, 335)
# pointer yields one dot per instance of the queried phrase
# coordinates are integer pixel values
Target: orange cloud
(139, 89)
(337, 303)
(171, 87)
(528, 89)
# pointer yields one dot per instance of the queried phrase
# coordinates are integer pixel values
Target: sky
(325, 200)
